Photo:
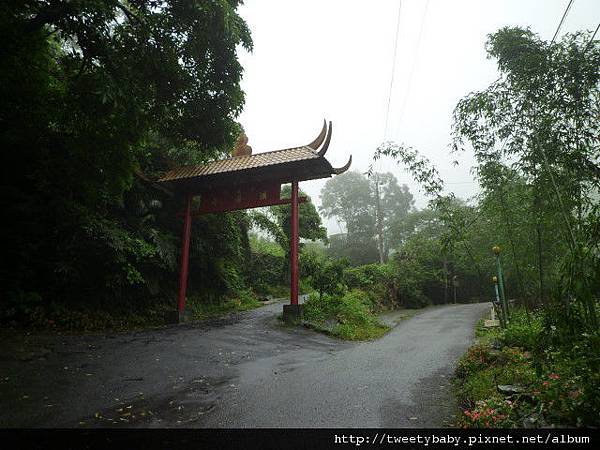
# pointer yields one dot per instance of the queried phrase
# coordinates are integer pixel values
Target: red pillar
(294, 245)
(185, 253)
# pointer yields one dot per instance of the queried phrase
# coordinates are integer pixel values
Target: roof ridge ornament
(343, 168)
(327, 141)
(306, 162)
(241, 146)
(319, 140)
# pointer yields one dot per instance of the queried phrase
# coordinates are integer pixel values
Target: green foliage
(378, 281)
(276, 221)
(535, 133)
(270, 262)
(356, 252)
(266, 272)
(560, 381)
(524, 330)
(267, 267)
(309, 226)
(347, 197)
(351, 315)
(242, 301)
(544, 110)
(366, 208)
(324, 274)
(115, 94)
(260, 244)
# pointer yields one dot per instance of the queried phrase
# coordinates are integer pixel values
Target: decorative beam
(283, 201)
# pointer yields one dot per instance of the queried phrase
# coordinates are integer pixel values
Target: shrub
(560, 380)
(324, 274)
(523, 330)
(476, 358)
(491, 413)
(320, 308)
(351, 315)
(376, 280)
(239, 301)
(264, 271)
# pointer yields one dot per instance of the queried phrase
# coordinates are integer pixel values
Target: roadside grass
(276, 291)
(516, 378)
(350, 317)
(88, 319)
(243, 301)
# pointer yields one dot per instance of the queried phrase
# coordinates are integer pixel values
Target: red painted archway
(249, 181)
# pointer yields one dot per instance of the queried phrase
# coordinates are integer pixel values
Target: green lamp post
(498, 307)
(500, 283)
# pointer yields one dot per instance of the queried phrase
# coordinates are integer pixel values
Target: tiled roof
(238, 163)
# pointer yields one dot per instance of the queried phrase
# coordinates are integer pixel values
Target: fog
(333, 59)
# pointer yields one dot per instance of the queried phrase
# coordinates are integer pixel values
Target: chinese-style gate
(250, 181)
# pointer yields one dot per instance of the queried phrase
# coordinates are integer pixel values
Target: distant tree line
(368, 211)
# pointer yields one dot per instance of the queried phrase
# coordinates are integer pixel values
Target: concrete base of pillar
(292, 314)
(175, 317)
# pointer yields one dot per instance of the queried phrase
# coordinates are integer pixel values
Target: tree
(540, 119)
(347, 198)
(115, 93)
(392, 205)
(309, 221)
(366, 207)
(536, 139)
(325, 275)
(276, 221)
(357, 252)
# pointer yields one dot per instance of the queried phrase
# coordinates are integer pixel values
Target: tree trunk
(538, 231)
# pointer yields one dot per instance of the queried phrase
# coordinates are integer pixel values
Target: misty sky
(333, 59)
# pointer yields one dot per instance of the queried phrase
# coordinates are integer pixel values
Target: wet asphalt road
(244, 371)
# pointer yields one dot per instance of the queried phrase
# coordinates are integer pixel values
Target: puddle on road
(181, 407)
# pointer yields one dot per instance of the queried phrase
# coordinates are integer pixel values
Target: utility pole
(445, 262)
(379, 218)
(455, 285)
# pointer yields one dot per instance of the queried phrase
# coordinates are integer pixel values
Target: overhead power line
(592, 39)
(562, 20)
(387, 113)
(414, 64)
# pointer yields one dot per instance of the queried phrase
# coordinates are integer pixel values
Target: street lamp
(499, 282)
